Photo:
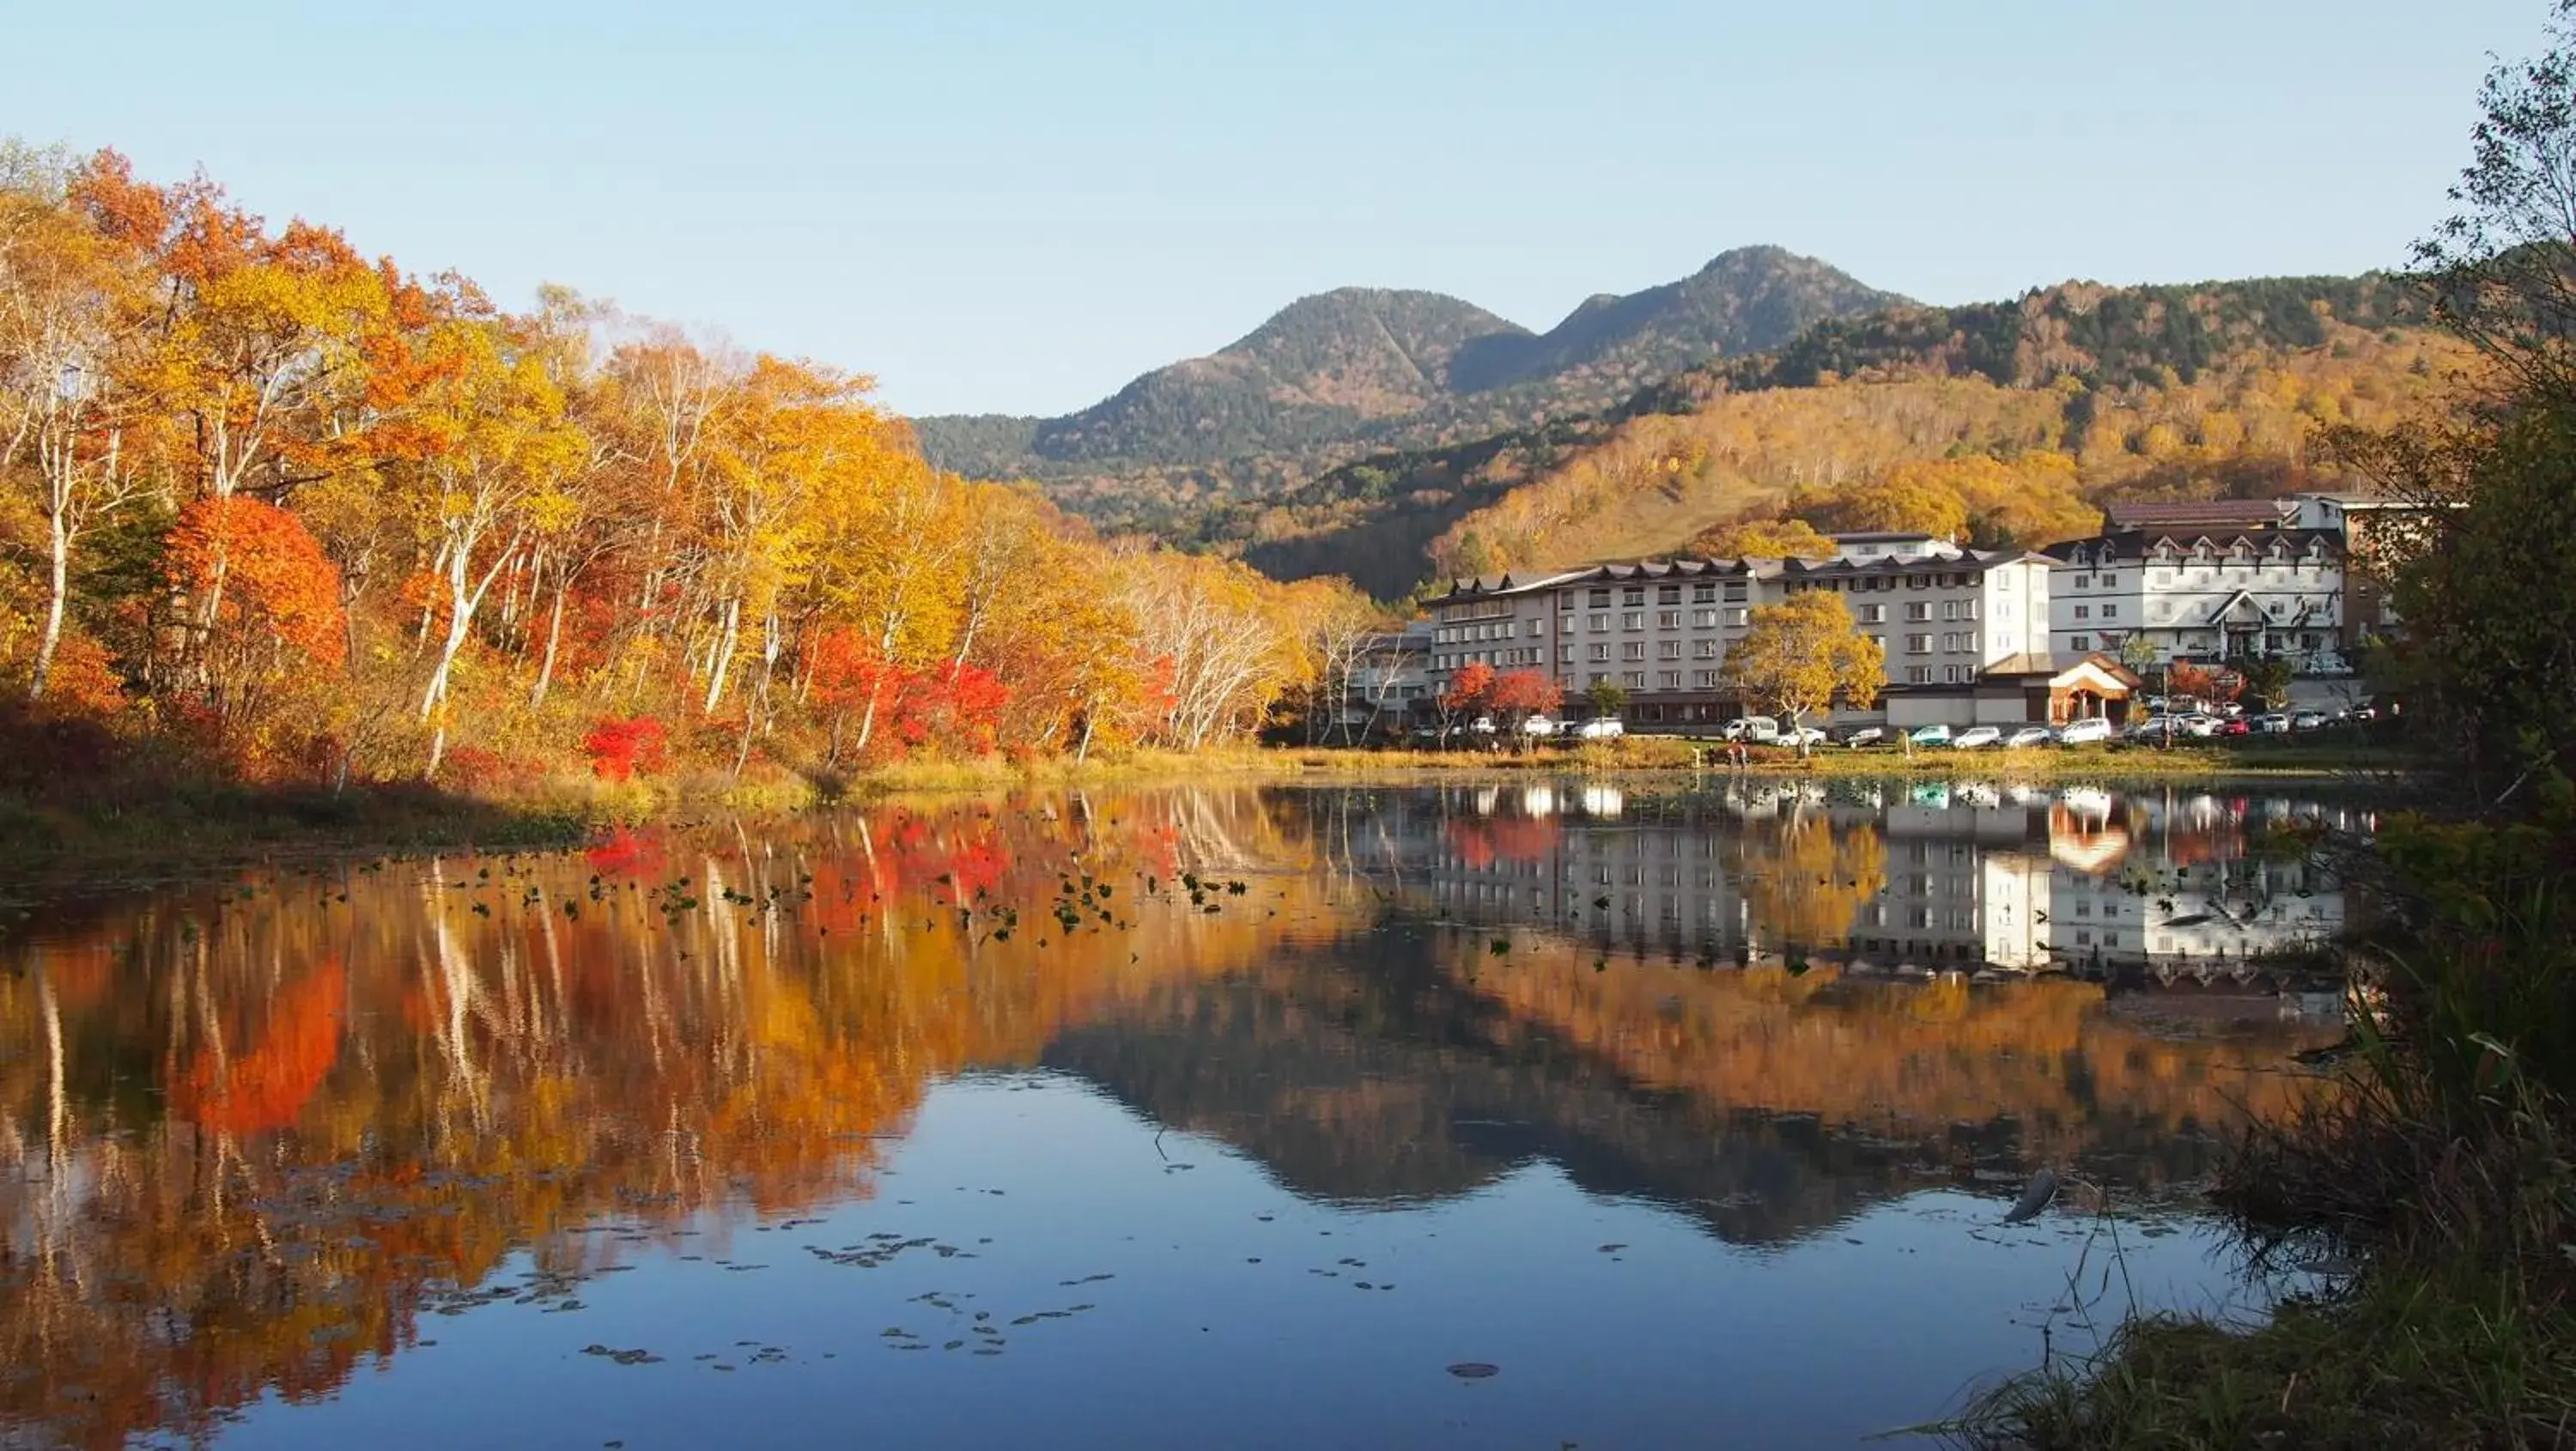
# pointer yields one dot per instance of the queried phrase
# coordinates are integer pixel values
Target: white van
(2091, 731)
(1761, 728)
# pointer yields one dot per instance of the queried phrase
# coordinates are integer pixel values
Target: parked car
(1975, 736)
(2308, 720)
(2234, 726)
(1800, 736)
(2199, 727)
(2030, 735)
(2157, 728)
(1751, 728)
(1931, 735)
(1604, 728)
(1538, 725)
(2087, 732)
(1859, 736)
(1482, 725)
(2271, 723)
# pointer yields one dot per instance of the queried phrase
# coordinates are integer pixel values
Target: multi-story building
(1389, 680)
(2202, 593)
(1660, 630)
(2378, 531)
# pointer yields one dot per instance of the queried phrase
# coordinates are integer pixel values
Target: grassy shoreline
(99, 839)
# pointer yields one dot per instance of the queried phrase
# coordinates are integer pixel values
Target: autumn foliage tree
(1516, 695)
(340, 522)
(1799, 656)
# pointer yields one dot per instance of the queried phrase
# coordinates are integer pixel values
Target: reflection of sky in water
(1672, 1338)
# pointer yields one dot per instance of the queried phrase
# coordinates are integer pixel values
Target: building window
(1633, 650)
(1601, 652)
(1633, 620)
(1704, 649)
(1568, 622)
(1538, 627)
(1668, 680)
(1670, 594)
(1668, 650)
(1734, 592)
(1704, 619)
(1633, 596)
(1600, 598)
(1873, 614)
(2110, 612)
(1705, 679)
(1950, 674)
(1736, 619)
(1599, 623)
(2083, 581)
(2110, 580)
(1918, 644)
(1918, 674)
(1949, 609)
(1918, 610)
(1702, 594)
(2079, 642)
(2083, 612)
(1636, 679)
(1668, 619)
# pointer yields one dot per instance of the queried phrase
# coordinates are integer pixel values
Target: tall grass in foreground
(2438, 1161)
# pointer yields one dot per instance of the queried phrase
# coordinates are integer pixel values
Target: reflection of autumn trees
(1898, 1059)
(1805, 878)
(249, 1138)
(250, 1132)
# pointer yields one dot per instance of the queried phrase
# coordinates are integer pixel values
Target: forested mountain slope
(2009, 421)
(1340, 374)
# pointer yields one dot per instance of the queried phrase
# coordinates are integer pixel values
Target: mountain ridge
(1339, 373)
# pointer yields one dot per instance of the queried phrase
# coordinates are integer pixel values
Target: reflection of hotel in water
(1965, 876)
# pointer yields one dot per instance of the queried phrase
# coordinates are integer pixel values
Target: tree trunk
(722, 665)
(868, 717)
(58, 592)
(554, 639)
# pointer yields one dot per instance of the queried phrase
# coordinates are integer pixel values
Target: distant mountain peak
(1336, 370)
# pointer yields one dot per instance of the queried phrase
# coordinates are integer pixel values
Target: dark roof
(2200, 513)
(2131, 546)
(1886, 536)
(1976, 561)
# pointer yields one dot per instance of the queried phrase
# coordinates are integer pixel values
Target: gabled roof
(2057, 668)
(2131, 546)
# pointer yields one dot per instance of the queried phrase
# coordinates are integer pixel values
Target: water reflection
(1903, 878)
(256, 1132)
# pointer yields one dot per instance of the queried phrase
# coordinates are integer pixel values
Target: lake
(1539, 1114)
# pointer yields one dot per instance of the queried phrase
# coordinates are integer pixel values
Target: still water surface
(1224, 1117)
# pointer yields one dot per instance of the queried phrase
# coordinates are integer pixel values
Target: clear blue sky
(1015, 206)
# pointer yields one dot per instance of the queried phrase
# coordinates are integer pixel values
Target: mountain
(1348, 372)
(1323, 366)
(1745, 301)
(2166, 391)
